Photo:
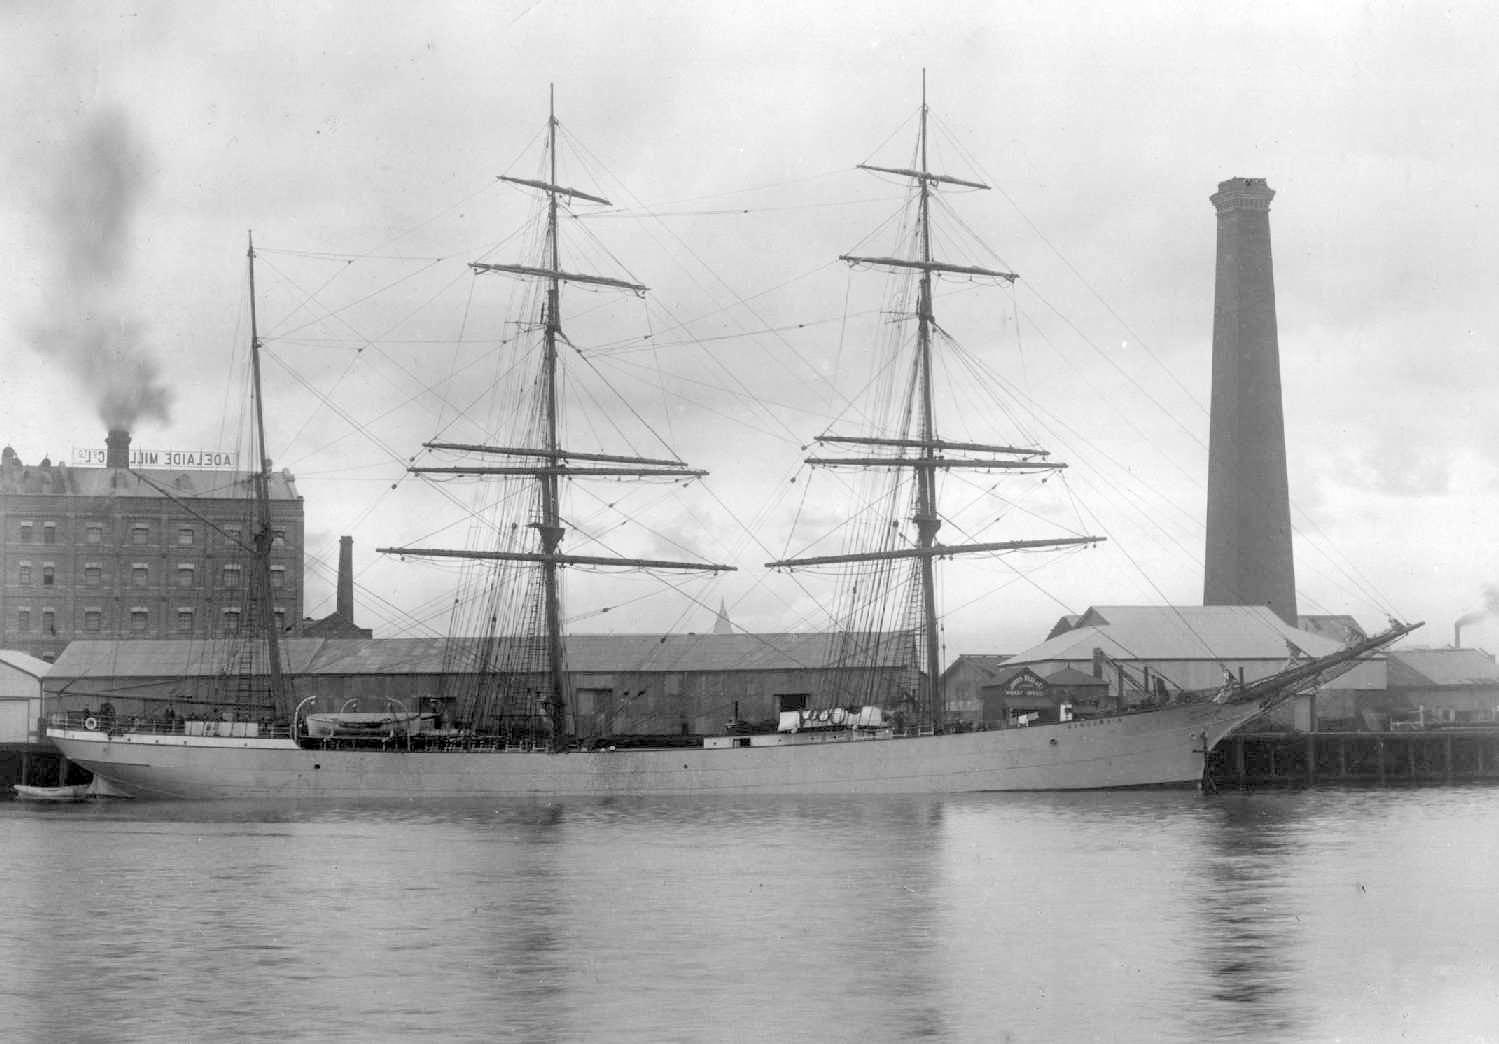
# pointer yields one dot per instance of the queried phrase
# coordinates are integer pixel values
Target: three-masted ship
(826, 750)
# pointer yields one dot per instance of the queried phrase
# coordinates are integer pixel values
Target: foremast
(550, 462)
(927, 453)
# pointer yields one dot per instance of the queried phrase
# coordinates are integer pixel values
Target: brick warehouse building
(134, 552)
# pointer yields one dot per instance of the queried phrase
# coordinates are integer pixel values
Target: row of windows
(231, 575)
(140, 620)
(140, 534)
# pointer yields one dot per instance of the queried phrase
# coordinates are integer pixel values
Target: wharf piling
(1447, 755)
(39, 764)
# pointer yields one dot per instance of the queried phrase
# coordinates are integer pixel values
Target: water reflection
(1247, 940)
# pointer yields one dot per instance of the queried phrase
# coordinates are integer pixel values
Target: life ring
(91, 724)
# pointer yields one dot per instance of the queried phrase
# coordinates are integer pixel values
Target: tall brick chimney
(1249, 557)
(346, 578)
(117, 448)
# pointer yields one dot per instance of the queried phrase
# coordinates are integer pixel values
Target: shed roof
(985, 664)
(24, 662)
(1190, 632)
(586, 653)
(1073, 678)
(1420, 667)
(1340, 627)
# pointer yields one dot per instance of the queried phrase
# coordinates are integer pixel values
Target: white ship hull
(1163, 747)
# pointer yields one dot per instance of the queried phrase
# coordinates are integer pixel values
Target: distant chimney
(117, 448)
(346, 578)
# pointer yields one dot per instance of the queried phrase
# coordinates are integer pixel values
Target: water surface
(1328, 915)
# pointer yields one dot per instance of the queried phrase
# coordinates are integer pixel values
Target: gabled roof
(1064, 624)
(586, 653)
(24, 662)
(1189, 632)
(1411, 668)
(984, 664)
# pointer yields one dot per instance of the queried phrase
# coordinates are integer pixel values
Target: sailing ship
(517, 737)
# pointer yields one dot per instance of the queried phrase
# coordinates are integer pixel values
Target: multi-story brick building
(122, 552)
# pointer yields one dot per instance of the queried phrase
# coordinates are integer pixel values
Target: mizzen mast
(264, 536)
(927, 453)
(550, 461)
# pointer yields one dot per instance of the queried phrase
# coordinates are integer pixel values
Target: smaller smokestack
(117, 448)
(346, 578)
(1463, 621)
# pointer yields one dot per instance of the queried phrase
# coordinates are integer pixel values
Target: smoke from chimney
(1490, 608)
(89, 322)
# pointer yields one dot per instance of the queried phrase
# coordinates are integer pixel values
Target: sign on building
(142, 457)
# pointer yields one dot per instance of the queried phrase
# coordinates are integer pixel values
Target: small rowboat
(99, 788)
(79, 792)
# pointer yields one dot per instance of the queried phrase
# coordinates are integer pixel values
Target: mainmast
(553, 461)
(927, 453)
(927, 522)
(264, 536)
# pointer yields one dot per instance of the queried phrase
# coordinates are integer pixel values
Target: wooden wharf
(1402, 756)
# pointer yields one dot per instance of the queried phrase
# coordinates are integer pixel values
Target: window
(94, 534)
(140, 574)
(186, 573)
(49, 532)
(93, 620)
(184, 621)
(185, 536)
(92, 574)
(23, 619)
(280, 615)
(26, 531)
(49, 621)
(140, 619)
(49, 574)
(278, 576)
(23, 574)
(278, 538)
(233, 571)
(231, 621)
(140, 535)
(232, 536)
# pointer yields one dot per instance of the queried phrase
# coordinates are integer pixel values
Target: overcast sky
(142, 142)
